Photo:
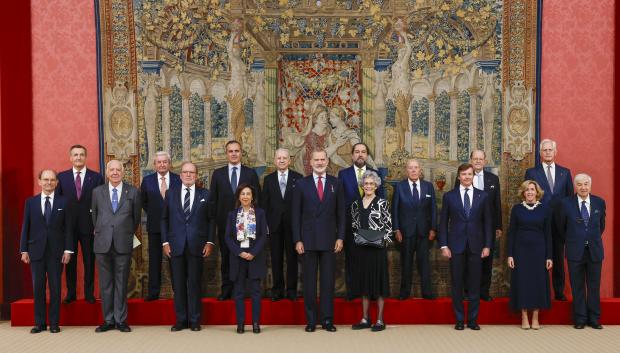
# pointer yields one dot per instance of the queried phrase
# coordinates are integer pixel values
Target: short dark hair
(231, 142)
(238, 193)
(360, 143)
(78, 146)
(463, 167)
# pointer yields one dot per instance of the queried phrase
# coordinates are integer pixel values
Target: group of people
(311, 219)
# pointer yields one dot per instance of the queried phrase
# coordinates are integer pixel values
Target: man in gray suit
(116, 216)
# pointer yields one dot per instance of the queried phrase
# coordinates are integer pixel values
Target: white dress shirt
(119, 190)
(479, 180)
(285, 175)
(230, 170)
(316, 180)
(82, 175)
(587, 200)
(546, 166)
(192, 192)
(417, 186)
(167, 176)
(470, 193)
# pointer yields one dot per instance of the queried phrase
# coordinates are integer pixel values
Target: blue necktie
(114, 200)
(584, 213)
(233, 180)
(415, 194)
(466, 203)
(48, 211)
(186, 209)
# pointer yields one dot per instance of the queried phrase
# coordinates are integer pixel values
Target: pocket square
(595, 211)
(492, 187)
(202, 200)
(427, 195)
(59, 209)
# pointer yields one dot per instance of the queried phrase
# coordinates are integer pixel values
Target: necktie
(466, 203)
(550, 178)
(233, 180)
(480, 184)
(47, 214)
(320, 188)
(114, 200)
(414, 193)
(584, 213)
(282, 184)
(186, 208)
(359, 181)
(78, 185)
(163, 187)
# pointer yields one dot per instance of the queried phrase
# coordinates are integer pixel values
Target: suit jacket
(195, 232)
(152, 202)
(258, 266)
(79, 208)
(318, 224)
(562, 184)
(491, 187)
(37, 235)
(348, 179)
(456, 230)
(414, 219)
(222, 198)
(278, 209)
(119, 226)
(576, 232)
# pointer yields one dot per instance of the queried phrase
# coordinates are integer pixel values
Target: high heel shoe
(525, 325)
(535, 325)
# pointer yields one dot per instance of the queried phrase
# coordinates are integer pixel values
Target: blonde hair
(539, 191)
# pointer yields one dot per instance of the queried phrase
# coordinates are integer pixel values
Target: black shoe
(54, 329)
(349, 297)
(178, 327)
(240, 328)
(223, 296)
(276, 297)
(123, 327)
(486, 298)
(460, 326)
(292, 297)
(150, 298)
(105, 327)
(466, 298)
(195, 327)
(473, 325)
(579, 326)
(561, 298)
(429, 297)
(68, 299)
(255, 327)
(310, 328)
(403, 297)
(329, 327)
(90, 300)
(596, 325)
(361, 325)
(38, 329)
(379, 326)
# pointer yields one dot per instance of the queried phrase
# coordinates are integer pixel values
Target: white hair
(553, 144)
(581, 177)
(107, 165)
(283, 150)
(163, 153)
(369, 174)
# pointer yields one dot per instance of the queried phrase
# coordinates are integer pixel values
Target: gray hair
(107, 165)
(283, 150)
(553, 144)
(372, 175)
(163, 153)
(581, 177)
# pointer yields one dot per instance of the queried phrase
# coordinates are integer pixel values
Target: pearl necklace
(530, 207)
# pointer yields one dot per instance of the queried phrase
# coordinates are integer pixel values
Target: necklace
(530, 207)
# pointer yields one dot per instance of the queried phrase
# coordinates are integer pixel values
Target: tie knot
(466, 189)
(47, 198)
(583, 203)
(163, 178)
(187, 189)
(234, 168)
(78, 173)
(114, 190)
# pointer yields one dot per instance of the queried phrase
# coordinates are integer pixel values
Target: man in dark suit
(414, 218)
(77, 184)
(489, 183)
(116, 215)
(556, 182)
(581, 220)
(276, 200)
(318, 232)
(350, 178)
(187, 238)
(224, 182)
(465, 237)
(153, 192)
(46, 244)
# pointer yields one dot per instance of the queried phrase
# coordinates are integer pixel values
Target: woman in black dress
(370, 275)
(529, 254)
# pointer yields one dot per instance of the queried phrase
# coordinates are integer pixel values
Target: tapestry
(425, 79)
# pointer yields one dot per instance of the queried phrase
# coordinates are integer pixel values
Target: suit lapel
(543, 176)
(459, 202)
(196, 203)
(289, 184)
(123, 196)
(106, 191)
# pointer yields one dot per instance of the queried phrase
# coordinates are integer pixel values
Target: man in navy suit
(77, 184)
(224, 182)
(46, 244)
(153, 192)
(276, 200)
(414, 218)
(187, 238)
(318, 232)
(350, 178)
(557, 184)
(465, 237)
(581, 220)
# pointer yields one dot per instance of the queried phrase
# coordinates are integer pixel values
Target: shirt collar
(462, 188)
(82, 171)
(230, 166)
(51, 196)
(545, 165)
(191, 188)
(587, 200)
(481, 172)
(316, 176)
(281, 172)
(119, 187)
(411, 181)
(362, 168)
(167, 176)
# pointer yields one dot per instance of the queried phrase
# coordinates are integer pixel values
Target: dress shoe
(54, 329)
(349, 297)
(535, 325)
(276, 297)
(596, 325)
(561, 298)
(329, 327)
(240, 328)
(123, 327)
(90, 300)
(460, 326)
(403, 297)
(68, 299)
(473, 326)
(310, 328)
(178, 327)
(361, 325)
(292, 297)
(105, 327)
(223, 296)
(378, 326)
(38, 329)
(429, 297)
(579, 326)
(195, 327)
(255, 327)
(150, 298)
(486, 298)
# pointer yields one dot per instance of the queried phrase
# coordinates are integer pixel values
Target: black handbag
(368, 237)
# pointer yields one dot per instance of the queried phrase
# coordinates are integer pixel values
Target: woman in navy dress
(529, 254)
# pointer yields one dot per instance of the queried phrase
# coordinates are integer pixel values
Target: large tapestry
(425, 79)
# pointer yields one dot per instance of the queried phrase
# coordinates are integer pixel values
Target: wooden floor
(287, 339)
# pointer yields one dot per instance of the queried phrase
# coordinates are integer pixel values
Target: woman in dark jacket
(246, 234)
